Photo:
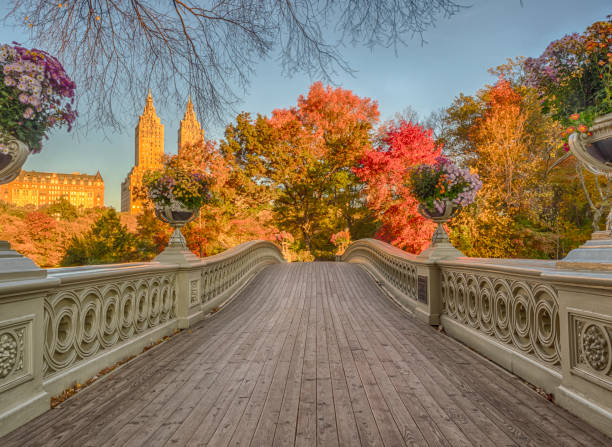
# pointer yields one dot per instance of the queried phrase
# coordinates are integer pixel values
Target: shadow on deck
(308, 354)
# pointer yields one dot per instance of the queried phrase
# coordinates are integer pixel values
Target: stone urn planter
(595, 150)
(13, 265)
(595, 153)
(177, 216)
(12, 159)
(441, 247)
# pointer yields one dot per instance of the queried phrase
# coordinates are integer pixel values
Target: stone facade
(148, 155)
(45, 188)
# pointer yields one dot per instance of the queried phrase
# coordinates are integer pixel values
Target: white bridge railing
(552, 327)
(67, 326)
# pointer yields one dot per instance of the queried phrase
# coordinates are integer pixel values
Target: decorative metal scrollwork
(398, 272)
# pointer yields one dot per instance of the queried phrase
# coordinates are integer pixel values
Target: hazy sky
(455, 59)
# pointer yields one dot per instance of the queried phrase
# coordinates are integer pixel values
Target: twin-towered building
(87, 191)
(149, 149)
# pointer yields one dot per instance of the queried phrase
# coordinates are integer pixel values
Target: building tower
(148, 155)
(190, 131)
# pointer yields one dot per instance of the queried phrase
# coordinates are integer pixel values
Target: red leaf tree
(384, 171)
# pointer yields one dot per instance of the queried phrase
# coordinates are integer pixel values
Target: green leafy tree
(107, 242)
(63, 209)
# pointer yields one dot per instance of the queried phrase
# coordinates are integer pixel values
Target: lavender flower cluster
(456, 184)
(38, 81)
(559, 59)
(460, 177)
(160, 189)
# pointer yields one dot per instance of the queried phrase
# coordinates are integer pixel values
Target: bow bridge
(382, 348)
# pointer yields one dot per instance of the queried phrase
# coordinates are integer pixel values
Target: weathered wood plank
(284, 433)
(348, 435)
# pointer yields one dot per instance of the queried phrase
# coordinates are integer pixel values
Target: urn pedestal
(595, 153)
(177, 216)
(441, 247)
(13, 265)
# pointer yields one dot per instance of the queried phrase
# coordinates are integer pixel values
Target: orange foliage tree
(384, 169)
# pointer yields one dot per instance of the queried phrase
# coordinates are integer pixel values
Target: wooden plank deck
(308, 355)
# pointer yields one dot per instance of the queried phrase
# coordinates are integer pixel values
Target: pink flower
(29, 113)
(23, 98)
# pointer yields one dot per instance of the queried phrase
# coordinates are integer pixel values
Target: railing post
(188, 283)
(585, 317)
(429, 297)
(22, 333)
(429, 290)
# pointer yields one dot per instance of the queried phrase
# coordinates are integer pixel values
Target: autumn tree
(152, 235)
(298, 162)
(524, 207)
(115, 49)
(384, 168)
(63, 209)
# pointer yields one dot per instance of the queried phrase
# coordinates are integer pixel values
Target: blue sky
(426, 77)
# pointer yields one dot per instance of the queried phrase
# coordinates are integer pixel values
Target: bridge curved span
(308, 354)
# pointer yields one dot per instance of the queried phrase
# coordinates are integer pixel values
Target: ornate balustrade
(69, 325)
(224, 273)
(94, 311)
(391, 265)
(509, 311)
(552, 327)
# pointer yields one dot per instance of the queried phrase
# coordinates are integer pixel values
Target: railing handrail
(383, 246)
(231, 252)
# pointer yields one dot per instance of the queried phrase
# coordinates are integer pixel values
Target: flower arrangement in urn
(573, 77)
(176, 186)
(177, 194)
(36, 95)
(443, 188)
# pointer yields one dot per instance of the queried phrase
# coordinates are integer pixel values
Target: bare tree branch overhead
(116, 49)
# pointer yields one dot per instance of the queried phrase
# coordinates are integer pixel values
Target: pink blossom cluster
(284, 236)
(340, 238)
